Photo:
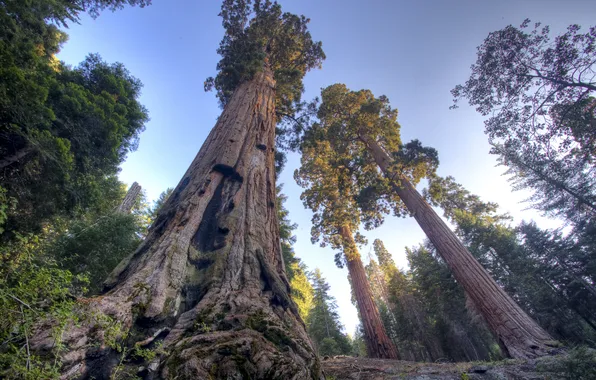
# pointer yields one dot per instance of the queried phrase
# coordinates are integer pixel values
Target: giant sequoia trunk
(209, 281)
(518, 334)
(378, 344)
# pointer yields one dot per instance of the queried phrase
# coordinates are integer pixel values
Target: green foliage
(310, 292)
(550, 275)
(158, 205)
(258, 35)
(324, 327)
(148, 354)
(557, 273)
(580, 364)
(95, 121)
(341, 178)
(64, 131)
(409, 319)
(462, 333)
(539, 96)
(96, 245)
(301, 289)
(33, 289)
(330, 193)
(358, 343)
(61, 11)
(452, 197)
(7, 204)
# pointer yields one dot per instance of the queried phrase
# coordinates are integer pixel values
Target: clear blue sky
(412, 51)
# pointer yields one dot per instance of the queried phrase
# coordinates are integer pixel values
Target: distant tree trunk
(129, 200)
(208, 281)
(377, 342)
(519, 335)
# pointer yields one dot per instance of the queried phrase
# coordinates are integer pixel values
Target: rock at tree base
(351, 368)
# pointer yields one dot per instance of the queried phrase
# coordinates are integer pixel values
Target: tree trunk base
(205, 343)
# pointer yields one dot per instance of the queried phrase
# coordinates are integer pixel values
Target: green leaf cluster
(310, 292)
(63, 130)
(548, 273)
(324, 326)
(539, 95)
(259, 35)
(342, 181)
(32, 289)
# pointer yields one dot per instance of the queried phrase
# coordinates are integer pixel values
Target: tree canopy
(538, 94)
(89, 119)
(547, 273)
(341, 178)
(71, 126)
(259, 35)
(324, 325)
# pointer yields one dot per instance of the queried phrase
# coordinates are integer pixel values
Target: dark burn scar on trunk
(202, 262)
(228, 172)
(192, 295)
(212, 232)
(181, 187)
(207, 238)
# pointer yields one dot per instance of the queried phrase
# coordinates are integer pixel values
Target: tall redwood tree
(367, 127)
(330, 194)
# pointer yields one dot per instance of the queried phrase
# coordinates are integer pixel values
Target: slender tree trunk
(378, 344)
(208, 282)
(129, 200)
(518, 334)
(18, 155)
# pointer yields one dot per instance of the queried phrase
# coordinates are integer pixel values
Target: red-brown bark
(519, 335)
(209, 281)
(378, 344)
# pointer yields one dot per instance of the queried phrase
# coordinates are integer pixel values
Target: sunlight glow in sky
(413, 52)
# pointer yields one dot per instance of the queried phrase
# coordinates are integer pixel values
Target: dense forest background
(66, 221)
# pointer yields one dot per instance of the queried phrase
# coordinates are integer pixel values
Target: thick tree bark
(208, 282)
(129, 200)
(378, 344)
(519, 335)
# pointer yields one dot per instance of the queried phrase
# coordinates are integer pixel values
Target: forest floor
(545, 368)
